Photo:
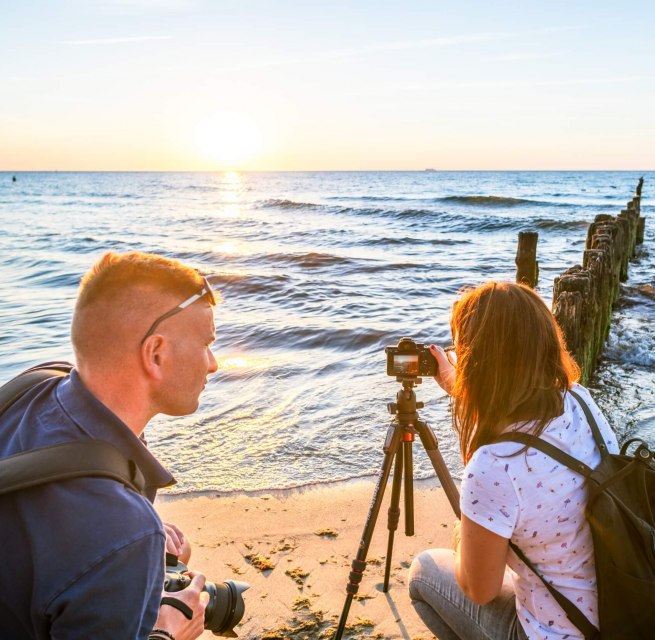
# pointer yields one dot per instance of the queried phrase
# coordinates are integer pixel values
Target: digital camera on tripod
(408, 362)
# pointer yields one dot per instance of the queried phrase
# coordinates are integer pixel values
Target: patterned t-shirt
(539, 504)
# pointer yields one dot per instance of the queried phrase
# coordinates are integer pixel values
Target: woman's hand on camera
(174, 621)
(446, 374)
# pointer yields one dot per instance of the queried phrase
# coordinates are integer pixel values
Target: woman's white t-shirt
(539, 504)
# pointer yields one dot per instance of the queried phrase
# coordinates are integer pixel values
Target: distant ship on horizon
(429, 169)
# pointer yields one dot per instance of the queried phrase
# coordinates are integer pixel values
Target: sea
(319, 271)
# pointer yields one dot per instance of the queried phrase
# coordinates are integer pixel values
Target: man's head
(144, 324)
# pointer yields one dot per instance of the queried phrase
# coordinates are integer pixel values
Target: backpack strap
(23, 382)
(77, 459)
(572, 612)
(549, 449)
(598, 438)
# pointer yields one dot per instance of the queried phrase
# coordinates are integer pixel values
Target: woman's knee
(433, 568)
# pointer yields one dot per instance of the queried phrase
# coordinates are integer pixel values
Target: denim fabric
(83, 558)
(448, 613)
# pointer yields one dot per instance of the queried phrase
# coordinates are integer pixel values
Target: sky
(271, 85)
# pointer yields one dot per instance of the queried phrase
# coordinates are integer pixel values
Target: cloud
(103, 41)
(512, 57)
(150, 4)
(401, 45)
(353, 52)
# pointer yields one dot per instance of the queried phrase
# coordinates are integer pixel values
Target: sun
(228, 140)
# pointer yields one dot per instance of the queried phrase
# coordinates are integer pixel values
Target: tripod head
(405, 407)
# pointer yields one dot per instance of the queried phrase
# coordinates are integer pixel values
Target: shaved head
(119, 298)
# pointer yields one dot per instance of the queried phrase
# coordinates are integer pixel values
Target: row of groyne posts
(583, 296)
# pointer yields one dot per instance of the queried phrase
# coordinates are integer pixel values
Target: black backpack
(620, 513)
(80, 458)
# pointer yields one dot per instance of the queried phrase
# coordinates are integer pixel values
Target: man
(84, 558)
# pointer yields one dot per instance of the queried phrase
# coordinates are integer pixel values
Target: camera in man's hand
(226, 606)
(411, 360)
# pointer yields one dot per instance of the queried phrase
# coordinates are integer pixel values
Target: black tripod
(402, 429)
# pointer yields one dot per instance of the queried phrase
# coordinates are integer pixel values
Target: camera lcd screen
(405, 365)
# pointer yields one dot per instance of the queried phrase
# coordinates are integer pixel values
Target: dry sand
(295, 550)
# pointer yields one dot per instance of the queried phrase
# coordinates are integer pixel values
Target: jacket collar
(97, 421)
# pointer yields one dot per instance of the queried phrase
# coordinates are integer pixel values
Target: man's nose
(213, 363)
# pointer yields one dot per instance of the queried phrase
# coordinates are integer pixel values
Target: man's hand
(174, 621)
(177, 543)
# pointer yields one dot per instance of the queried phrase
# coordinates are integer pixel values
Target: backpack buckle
(642, 452)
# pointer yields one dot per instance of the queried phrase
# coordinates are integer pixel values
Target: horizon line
(430, 170)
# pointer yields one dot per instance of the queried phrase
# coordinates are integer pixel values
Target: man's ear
(152, 355)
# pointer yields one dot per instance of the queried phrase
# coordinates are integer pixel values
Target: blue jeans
(448, 613)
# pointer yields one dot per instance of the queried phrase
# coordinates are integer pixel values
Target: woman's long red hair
(512, 363)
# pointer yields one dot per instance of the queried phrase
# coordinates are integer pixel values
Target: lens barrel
(226, 607)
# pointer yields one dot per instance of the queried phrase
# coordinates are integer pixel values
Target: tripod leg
(408, 440)
(394, 514)
(429, 441)
(359, 563)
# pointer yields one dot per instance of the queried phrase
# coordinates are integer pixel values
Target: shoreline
(295, 548)
(288, 492)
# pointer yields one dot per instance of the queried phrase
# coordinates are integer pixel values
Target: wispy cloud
(150, 4)
(401, 45)
(354, 52)
(527, 84)
(487, 85)
(513, 57)
(123, 40)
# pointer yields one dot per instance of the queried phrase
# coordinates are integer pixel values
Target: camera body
(226, 606)
(410, 360)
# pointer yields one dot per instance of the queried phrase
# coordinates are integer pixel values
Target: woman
(512, 373)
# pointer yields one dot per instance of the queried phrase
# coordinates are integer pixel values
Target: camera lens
(225, 608)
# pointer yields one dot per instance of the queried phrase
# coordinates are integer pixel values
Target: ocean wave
(370, 198)
(563, 225)
(411, 240)
(249, 284)
(281, 203)
(305, 337)
(492, 201)
(309, 260)
(52, 278)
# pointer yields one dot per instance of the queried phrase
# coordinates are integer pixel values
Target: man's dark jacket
(81, 558)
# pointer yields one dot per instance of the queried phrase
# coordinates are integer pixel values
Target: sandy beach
(295, 549)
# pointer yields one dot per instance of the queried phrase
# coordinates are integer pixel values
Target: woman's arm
(480, 560)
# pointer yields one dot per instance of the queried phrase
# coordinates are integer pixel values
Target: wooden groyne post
(583, 296)
(527, 267)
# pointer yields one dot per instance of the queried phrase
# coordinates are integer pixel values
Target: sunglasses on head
(205, 291)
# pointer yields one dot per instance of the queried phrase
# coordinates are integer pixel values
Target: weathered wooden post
(573, 307)
(640, 229)
(583, 297)
(527, 267)
(599, 266)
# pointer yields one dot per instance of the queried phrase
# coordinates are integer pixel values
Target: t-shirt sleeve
(487, 495)
(116, 598)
